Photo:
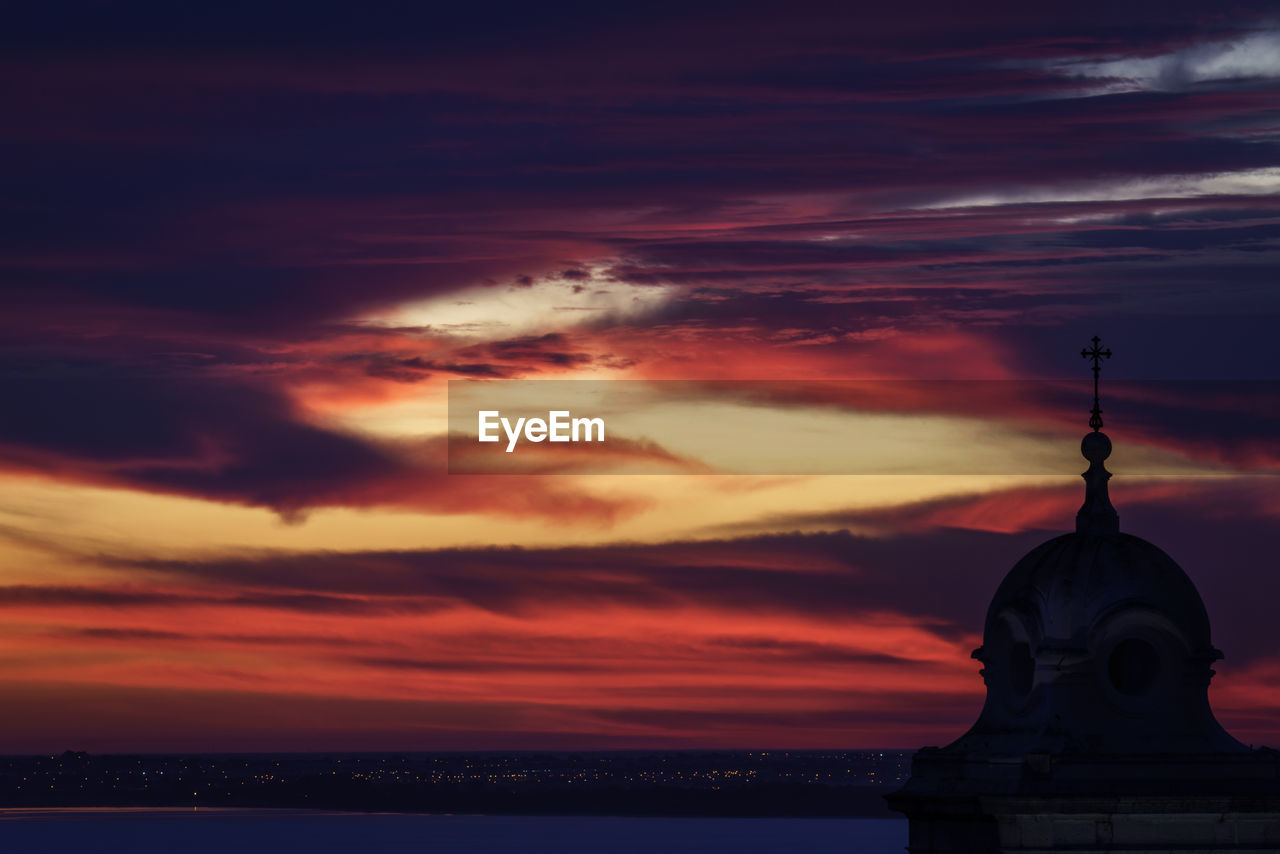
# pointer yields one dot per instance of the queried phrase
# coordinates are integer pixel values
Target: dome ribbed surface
(1074, 579)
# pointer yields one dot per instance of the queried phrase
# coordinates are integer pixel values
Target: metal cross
(1097, 354)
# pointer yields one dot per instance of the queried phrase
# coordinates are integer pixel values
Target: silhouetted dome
(1096, 642)
(1071, 584)
(1096, 733)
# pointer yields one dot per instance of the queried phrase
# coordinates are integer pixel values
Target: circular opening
(1133, 666)
(1022, 668)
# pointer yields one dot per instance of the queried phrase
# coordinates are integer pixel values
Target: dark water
(253, 831)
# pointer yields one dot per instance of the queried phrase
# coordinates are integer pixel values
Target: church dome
(1070, 586)
(1096, 642)
(1096, 733)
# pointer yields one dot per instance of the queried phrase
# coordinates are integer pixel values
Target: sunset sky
(245, 249)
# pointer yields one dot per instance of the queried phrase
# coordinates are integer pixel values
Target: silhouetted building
(1096, 734)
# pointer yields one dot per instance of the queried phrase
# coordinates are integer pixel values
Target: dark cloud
(537, 349)
(48, 716)
(303, 188)
(828, 574)
(109, 597)
(930, 563)
(167, 638)
(231, 438)
(415, 368)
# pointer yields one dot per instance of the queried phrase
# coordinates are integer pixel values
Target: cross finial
(1097, 354)
(1096, 516)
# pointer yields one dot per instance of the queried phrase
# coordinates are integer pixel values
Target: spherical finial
(1096, 447)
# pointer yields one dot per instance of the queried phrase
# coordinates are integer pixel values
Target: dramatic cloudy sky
(244, 250)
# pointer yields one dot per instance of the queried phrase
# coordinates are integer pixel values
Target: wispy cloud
(1251, 58)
